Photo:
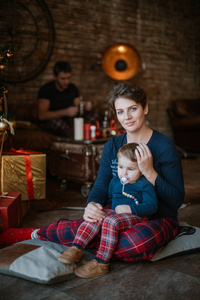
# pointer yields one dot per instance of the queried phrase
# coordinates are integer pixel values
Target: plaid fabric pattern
(87, 231)
(56, 126)
(139, 242)
(62, 231)
(144, 239)
(109, 227)
(112, 225)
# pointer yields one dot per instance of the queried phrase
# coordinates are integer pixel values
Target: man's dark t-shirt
(58, 100)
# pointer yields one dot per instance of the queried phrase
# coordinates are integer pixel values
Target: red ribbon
(21, 151)
(27, 160)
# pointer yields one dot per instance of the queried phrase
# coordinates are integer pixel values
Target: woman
(158, 161)
(130, 188)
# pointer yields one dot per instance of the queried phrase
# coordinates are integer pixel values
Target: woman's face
(130, 114)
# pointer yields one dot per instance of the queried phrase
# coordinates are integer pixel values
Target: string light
(5, 55)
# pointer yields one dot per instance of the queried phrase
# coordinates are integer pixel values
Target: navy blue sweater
(142, 189)
(169, 185)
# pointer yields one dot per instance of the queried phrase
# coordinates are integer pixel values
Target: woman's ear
(146, 109)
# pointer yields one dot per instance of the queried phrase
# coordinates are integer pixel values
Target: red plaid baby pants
(110, 227)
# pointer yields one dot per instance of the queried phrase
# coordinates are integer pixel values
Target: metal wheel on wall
(28, 29)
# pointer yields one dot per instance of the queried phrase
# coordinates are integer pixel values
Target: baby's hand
(123, 209)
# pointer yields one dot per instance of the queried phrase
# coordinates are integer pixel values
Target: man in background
(58, 102)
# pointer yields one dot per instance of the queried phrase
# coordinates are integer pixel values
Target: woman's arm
(99, 194)
(167, 178)
(169, 184)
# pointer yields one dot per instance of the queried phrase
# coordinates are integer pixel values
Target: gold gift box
(14, 178)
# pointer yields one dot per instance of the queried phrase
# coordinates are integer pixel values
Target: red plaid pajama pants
(56, 126)
(137, 243)
(109, 227)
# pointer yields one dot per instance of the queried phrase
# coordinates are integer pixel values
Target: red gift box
(10, 211)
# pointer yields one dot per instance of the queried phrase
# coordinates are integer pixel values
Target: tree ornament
(3, 125)
(2, 67)
(5, 55)
(9, 53)
(12, 124)
(3, 135)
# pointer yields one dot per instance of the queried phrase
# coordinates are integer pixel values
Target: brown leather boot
(92, 269)
(71, 255)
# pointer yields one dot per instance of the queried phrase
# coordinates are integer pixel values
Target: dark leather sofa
(184, 117)
(27, 133)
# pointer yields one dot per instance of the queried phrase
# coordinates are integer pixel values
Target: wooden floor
(174, 278)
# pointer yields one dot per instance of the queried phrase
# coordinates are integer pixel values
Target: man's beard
(61, 86)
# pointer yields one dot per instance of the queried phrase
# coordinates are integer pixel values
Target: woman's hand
(93, 212)
(123, 209)
(145, 162)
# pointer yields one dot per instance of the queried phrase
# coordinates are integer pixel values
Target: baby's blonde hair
(128, 150)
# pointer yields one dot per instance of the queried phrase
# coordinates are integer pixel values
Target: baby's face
(128, 170)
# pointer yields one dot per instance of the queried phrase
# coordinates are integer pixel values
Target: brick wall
(165, 33)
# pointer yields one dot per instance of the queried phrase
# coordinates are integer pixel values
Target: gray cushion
(37, 260)
(182, 244)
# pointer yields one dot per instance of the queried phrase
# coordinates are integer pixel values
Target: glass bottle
(79, 123)
(105, 125)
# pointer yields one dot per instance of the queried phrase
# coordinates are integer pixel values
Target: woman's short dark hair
(62, 66)
(127, 90)
(128, 150)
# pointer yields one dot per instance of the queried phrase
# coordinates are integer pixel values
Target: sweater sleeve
(149, 203)
(110, 191)
(99, 192)
(169, 183)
